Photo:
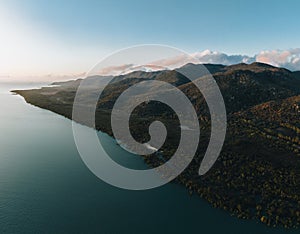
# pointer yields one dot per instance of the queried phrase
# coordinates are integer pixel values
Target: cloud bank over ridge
(289, 59)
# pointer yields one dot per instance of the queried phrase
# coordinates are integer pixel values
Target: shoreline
(257, 174)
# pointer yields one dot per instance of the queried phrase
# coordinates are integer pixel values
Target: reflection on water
(45, 187)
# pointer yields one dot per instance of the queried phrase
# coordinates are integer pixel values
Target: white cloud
(289, 59)
(208, 56)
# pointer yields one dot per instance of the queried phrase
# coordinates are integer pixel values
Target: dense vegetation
(258, 172)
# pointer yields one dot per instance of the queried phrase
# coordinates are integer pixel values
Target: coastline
(204, 190)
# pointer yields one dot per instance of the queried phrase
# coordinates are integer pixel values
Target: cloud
(289, 59)
(114, 70)
(127, 68)
(208, 56)
(175, 62)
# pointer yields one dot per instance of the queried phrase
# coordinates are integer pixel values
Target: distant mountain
(242, 85)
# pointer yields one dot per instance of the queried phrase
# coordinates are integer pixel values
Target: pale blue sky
(78, 33)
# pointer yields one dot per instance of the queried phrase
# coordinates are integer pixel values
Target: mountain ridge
(257, 174)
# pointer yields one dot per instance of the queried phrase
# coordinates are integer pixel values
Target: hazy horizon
(41, 37)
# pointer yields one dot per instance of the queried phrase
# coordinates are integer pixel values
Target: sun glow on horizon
(27, 50)
(57, 39)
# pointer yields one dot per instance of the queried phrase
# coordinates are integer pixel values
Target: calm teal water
(46, 188)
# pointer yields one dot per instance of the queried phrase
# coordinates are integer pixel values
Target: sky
(62, 38)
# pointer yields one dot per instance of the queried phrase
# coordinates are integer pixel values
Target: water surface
(46, 188)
